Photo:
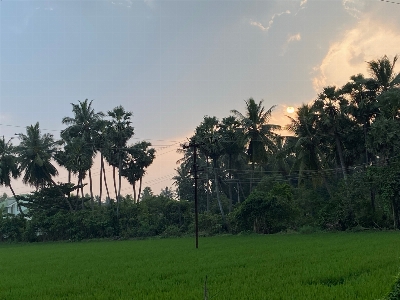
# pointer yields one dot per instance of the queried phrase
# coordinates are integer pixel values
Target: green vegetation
(284, 266)
(338, 170)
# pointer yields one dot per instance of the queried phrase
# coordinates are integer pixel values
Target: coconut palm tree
(8, 167)
(332, 120)
(207, 135)
(233, 144)
(306, 144)
(138, 158)
(363, 104)
(35, 152)
(382, 70)
(85, 124)
(119, 131)
(258, 132)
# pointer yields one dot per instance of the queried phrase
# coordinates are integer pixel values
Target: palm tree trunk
(340, 153)
(105, 182)
(101, 177)
(208, 188)
(238, 191)
(218, 196)
(251, 177)
(134, 191)
(230, 183)
(119, 183)
(91, 189)
(115, 183)
(16, 200)
(140, 187)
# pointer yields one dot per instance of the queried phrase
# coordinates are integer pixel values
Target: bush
(308, 229)
(172, 231)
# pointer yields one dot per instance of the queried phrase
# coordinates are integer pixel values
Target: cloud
(259, 25)
(266, 28)
(290, 39)
(126, 3)
(293, 38)
(367, 41)
(354, 7)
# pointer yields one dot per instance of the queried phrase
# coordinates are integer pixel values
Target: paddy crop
(291, 266)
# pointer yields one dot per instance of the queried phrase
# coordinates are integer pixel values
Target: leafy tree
(266, 212)
(3, 197)
(147, 193)
(167, 193)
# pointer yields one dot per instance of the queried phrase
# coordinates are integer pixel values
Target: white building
(9, 206)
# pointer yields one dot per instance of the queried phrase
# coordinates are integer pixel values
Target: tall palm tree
(85, 125)
(208, 136)
(363, 104)
(102, 145)
(383, 71)
(119, 132)
(138, 158)
(8, 167)
(80, 158)
(233, 143)
(258, 132)
(306, 144)
(35, 152)
(332, 119)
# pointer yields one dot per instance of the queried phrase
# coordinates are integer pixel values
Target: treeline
(88, 133)
(338, 169)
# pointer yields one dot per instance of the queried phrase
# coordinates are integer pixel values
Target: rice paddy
(283, 266)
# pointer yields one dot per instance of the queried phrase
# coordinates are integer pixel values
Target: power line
(390, 2)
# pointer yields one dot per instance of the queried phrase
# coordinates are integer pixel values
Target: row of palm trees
(357, 124)
(87, 134)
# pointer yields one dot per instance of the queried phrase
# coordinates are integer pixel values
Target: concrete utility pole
(195, 170)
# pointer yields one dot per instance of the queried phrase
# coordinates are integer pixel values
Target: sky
(173, 62)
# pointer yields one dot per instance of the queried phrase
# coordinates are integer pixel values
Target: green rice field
(283, 266)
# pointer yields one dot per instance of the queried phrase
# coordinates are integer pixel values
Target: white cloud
(290, 39)
(259, 25)
(293, 38)
(125, 3)
(367, 41)
(266, 28)
(354, 7)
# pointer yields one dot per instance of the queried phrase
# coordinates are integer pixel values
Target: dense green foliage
(290, 266)
(338, 169)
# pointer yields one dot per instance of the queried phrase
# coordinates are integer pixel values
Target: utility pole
(195, 170)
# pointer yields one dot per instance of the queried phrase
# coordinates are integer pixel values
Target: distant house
(9, 206)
